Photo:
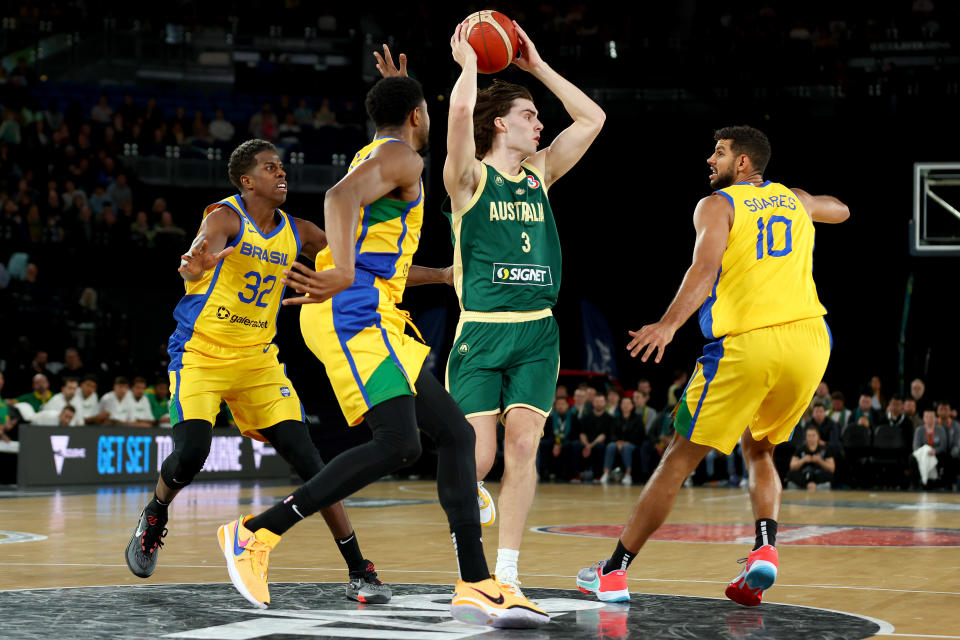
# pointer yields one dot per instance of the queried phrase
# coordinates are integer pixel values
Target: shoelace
(152, 537)
(370, 575)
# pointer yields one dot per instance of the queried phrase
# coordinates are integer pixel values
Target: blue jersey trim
(727, 196)
(706, 309)
(710, 360)
(829, 333)
(283, 220)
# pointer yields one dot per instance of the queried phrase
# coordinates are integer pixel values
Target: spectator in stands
(675, 390)
(98, 199)
(918, 392)
(288, 133)
(552, 460)
(626, 435)
(324, 116)
(877, 400)
(562, 392)
(101, 112)
(141, 233)
(910, 411)
(10, 128)
(644, 385)
(128, 110)
(86, 400)
(167, 231)
(119, 192)
(813, 465)
(865, 415)
(897, 418)
(648, 416)
(933, 435)
(613, 403)
(66, 417)
(263, 124)
(580, 407)
(303, 113)
(221, 129)
(820, 396)
(594, 430)
(828, 429)
(66, 398)
(112, 407)
(199, 131)
(40, 395)
(140, 411)
(110, 231)
(159, 397)
(952, 429)
(69, 197)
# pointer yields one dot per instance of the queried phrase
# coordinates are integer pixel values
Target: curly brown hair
(751, 142)
(493, 102)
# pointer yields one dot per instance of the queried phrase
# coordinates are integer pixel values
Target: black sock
(158, 508)
(350, 551)
(469, 547)
(620, 559)
(283, 515)
(766, 533)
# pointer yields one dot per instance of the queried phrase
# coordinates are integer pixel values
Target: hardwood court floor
(915, 588)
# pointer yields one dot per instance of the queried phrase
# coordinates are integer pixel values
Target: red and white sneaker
(608, 587)
(758, 574)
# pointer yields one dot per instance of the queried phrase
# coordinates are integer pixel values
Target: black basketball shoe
(365, 586)
(145, 544)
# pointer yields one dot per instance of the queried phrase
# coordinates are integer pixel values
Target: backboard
(935, 227)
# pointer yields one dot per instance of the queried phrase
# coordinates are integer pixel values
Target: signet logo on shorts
(530, 274)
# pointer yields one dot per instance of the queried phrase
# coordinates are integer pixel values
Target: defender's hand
(318, 286)
(196, 261)
(655, 337)
(385, 63)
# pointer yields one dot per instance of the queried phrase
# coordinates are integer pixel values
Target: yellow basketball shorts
(762, 380)
(251, 380)
(359, 337)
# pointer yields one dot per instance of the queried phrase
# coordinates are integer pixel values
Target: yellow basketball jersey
(388, 235)
(236, 303)
(766, 276)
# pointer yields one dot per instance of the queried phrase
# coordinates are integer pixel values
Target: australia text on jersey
(519, 211)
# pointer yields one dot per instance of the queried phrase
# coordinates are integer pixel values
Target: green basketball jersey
(506, 251)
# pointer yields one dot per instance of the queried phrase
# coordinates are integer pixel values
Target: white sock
(507, 561)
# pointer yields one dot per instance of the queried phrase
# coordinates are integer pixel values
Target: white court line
(913, 635)
(526, 575)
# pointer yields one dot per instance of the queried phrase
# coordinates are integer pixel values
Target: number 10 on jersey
(772, 228)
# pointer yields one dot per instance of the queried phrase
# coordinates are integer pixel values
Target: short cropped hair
(493, 102)
(749, 141)
(243, 159)
(390, 101)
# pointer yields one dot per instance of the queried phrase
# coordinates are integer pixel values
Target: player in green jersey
(506, 269)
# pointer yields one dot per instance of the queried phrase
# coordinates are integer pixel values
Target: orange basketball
(492, 36)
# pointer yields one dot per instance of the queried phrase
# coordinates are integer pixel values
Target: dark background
(837, 126)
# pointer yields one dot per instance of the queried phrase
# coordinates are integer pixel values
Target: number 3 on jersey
(256, 296)
(770, 226)
(526, 242)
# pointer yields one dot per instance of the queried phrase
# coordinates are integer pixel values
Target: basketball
(492, 36)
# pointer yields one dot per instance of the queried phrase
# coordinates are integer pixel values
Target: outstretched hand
(655, 337)
(385, 63)
(196, 261)
(460, 47)
(529, 59)
(317, 286)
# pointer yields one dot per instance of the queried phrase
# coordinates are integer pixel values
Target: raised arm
(712, 220)
(391, 167)
(823, 208)
(461, 170)
(588, 118)
(312, 238)
(207, 249)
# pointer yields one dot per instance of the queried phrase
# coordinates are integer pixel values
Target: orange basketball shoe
(248, 556)
(758, 574)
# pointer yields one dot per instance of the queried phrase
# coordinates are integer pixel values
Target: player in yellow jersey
(222, 349)
(352, 323)
(752, 280)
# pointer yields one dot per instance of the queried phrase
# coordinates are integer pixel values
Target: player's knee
(191, 447)
(291, 439)
(410, 449)
(521, 447)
